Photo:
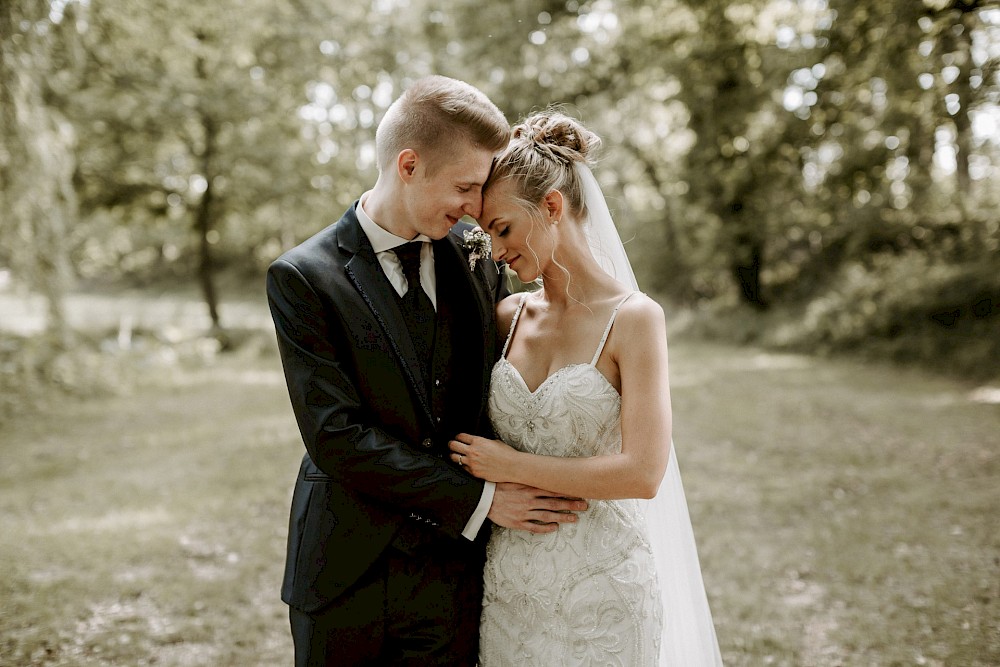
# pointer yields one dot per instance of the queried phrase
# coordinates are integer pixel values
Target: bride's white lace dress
(586, 594)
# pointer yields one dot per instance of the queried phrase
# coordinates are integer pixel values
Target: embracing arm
(640, 350)
(341, 440)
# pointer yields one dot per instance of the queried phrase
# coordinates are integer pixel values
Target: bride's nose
(498, 251)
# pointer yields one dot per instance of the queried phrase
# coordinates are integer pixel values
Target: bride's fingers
(562, 504)
(463, 460)
(553, 517)
(534, 527)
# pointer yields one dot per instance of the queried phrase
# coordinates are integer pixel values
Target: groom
(387, 339)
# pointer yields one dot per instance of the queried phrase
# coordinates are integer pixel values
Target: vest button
(427, 443)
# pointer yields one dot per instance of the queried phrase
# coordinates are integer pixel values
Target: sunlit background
(833, 164)
(802, 183)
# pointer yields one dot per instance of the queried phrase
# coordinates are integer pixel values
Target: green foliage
(908, 308)
(38, 202)
(754, 151)
(208, 105)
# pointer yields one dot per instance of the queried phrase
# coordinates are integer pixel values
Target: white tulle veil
(689, 638)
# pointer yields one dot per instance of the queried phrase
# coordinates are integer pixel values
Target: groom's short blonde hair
(432, 114)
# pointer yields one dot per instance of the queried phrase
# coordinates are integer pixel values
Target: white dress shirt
(383, 242)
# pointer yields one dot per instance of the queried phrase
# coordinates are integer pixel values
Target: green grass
(150, 528)
(846, 514)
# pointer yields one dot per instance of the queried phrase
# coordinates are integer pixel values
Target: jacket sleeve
(331, 419)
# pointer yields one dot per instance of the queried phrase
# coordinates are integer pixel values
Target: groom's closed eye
(468, 187)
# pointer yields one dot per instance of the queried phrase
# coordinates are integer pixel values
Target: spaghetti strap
(513, 323)
(607, 329)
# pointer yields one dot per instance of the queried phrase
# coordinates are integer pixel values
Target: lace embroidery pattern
(586, 594)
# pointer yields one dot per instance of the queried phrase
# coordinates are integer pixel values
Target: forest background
(805, 177)
(814, 174)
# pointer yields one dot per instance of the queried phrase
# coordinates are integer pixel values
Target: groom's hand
(527, 508)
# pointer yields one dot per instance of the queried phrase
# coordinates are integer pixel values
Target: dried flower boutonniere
(479, 245)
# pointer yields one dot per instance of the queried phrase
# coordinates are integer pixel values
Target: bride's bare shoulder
(641, 316)
(505, 312)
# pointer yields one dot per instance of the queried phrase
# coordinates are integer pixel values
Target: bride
(581, 400)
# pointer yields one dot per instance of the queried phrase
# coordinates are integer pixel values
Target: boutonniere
(479, 245)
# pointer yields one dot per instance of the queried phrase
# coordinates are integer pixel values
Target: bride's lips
(510, 262)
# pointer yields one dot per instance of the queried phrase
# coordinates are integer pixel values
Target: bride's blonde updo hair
(540, 158)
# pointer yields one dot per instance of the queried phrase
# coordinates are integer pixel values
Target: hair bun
(556, 134)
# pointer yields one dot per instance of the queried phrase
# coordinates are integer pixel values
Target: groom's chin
(441, 231)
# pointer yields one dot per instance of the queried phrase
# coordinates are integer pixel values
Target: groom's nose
(473, 206)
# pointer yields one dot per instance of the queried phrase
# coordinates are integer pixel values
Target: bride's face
(520, 236)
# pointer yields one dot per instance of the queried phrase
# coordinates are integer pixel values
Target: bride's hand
(487, 459)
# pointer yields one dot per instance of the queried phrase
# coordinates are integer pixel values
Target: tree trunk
(746, 267)
(203, 214)
(39, 200)
(206, 262)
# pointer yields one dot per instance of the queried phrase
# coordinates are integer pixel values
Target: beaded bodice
(585, 594)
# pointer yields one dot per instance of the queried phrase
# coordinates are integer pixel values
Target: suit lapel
(364, 271)
(469, 320)
(450, 249)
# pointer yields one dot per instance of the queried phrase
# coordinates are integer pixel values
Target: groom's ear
(406, 164)
(552, 204)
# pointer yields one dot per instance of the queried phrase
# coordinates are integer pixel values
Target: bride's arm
(639, 346)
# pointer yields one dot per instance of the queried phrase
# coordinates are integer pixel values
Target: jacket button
(427, 443)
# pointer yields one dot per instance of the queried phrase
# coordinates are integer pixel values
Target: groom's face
(447, 187)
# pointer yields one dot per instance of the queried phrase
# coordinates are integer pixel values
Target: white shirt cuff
(482, 509)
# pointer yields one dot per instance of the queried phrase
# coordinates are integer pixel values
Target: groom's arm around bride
(387, 347)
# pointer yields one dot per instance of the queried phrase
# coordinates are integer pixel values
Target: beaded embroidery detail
(586, 594)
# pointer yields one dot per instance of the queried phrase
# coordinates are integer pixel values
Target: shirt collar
(380, 238)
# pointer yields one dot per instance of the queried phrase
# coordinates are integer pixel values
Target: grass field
(846, 514)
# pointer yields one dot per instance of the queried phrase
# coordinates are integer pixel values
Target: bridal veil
(689, 638)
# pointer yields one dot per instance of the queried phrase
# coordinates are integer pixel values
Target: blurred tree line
(820, 174)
